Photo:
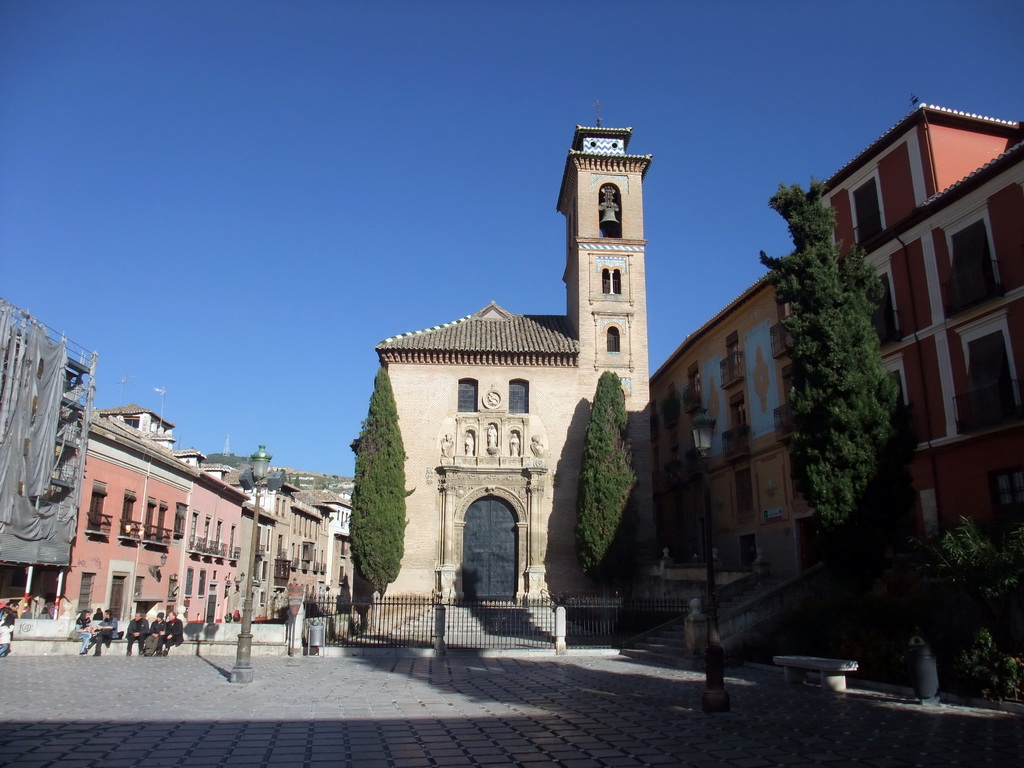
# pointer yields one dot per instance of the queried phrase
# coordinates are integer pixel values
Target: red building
(937, 203)
(158, 532)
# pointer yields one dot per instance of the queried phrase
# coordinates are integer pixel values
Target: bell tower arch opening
(610, 209)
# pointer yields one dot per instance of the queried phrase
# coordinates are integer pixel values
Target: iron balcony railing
(691, 397)
(987, 405)
(736, 442)
(731, 368)
(887, 325)
(971, 286)
(782, 340)
(207, 547)
(156, 535)
(784, 425)
(868, 227)
(98, 523)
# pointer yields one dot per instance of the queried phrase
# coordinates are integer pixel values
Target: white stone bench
(833, 671)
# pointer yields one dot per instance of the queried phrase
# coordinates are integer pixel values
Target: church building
(493, 406)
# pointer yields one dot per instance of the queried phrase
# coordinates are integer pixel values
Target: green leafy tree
(607, 478)
(852, 440)
(378, 498)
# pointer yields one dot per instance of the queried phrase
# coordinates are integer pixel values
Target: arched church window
(611, 281)
(468, 402)
(613, 339)
(609, 211)
(518, 396)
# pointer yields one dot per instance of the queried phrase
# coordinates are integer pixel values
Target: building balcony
(129, 530)
(691, 397)
(887, 325)
(784, 426)
(693, 463)
(782, 340)
(207, 547)
(234, 553)
(98, 524)
(670, 412)
(971, 287)
(282, 571)
(152, 534)
(736, 442)
(988, 405)
(673, 475)
(731, 369)
(295, 563)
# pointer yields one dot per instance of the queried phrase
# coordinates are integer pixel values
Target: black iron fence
(608, 622)
(418, 621)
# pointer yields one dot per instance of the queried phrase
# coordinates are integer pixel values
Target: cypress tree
(378, 499)
(603, 523)
(852, 440)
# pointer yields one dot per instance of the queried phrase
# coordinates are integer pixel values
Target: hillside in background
(306, 480)
(227, 458)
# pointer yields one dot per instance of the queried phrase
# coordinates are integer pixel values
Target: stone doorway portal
(489, 551)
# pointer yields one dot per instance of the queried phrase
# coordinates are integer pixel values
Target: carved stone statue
(447, 446)
(492, 436)
(537, 446)
(470, 443)
(515, 444)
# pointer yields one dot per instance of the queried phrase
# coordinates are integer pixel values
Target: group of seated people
(154, 638)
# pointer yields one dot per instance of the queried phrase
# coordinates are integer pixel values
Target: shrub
(984, 669)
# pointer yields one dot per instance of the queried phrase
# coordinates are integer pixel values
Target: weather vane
(598, 106)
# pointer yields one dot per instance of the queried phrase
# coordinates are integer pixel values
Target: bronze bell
(608, 214)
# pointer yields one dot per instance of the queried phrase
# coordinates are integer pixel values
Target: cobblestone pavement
(407, 713)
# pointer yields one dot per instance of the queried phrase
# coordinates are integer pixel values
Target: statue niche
(515, 444)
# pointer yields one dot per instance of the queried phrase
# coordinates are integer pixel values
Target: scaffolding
(47, 387)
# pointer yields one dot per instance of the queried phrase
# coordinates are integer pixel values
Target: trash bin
(923, 670)
(315, 636)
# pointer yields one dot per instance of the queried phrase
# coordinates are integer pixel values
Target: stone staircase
(748, 609)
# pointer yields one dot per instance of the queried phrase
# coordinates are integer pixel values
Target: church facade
(493, 406)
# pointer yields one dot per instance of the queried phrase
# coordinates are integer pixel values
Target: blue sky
(235, 201)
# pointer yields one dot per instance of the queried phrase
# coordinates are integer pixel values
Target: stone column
(537, 535)
(446, 567)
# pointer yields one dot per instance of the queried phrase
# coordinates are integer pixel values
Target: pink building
(157, 530)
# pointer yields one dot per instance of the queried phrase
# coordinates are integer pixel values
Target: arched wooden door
(489, 551)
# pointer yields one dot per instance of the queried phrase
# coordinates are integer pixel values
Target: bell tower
(602, 201)
(606, 295)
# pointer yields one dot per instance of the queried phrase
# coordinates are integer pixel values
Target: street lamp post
(714, 697)
(242, 672)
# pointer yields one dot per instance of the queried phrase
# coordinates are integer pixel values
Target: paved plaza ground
(411, 712)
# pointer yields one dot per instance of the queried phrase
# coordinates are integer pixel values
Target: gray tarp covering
(32, 529)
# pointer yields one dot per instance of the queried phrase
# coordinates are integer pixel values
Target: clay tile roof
(493, 329)
(899, 128)
(131, 410)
